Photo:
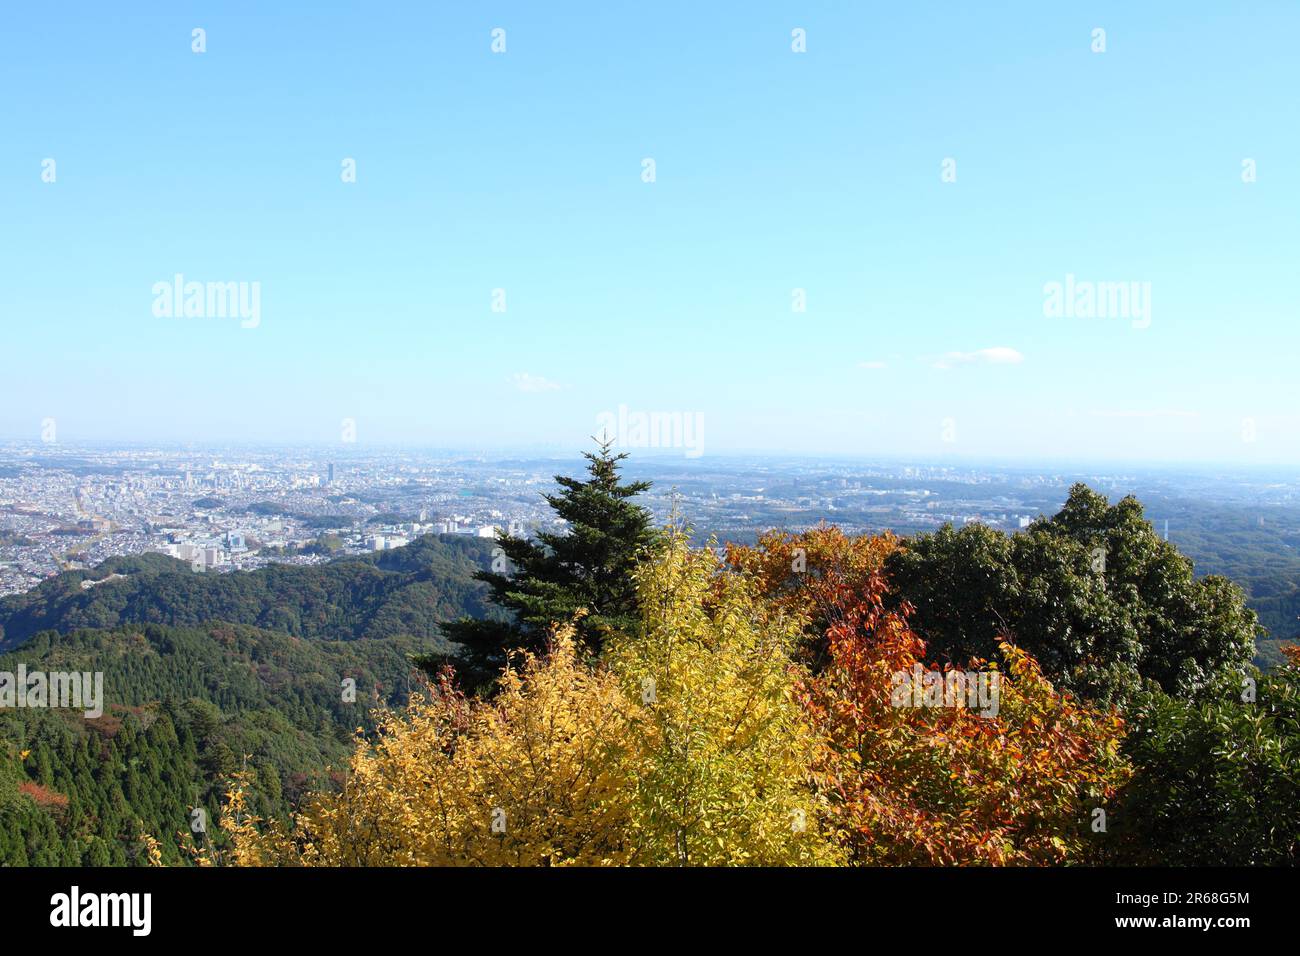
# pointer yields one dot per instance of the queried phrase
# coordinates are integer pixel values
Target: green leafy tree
(587, 565)
(1217, 782)
(1092, 593)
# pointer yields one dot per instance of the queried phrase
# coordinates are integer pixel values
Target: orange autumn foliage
(790, 567)
(43, 797)
(933, 785)
(803, 574)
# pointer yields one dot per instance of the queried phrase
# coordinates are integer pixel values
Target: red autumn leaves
(932, 785)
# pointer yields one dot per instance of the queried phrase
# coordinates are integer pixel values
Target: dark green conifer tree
(585, 565)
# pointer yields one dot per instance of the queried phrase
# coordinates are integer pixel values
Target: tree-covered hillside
(184, 709)
(406, 591)
(203, 672)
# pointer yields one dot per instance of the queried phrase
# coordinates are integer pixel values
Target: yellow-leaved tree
(684, 745)
(537, 776)
(725, 748)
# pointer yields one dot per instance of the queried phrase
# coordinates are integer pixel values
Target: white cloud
(998, 355)
(527, 382)
(875, 364)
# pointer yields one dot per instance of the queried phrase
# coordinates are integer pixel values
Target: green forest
(406, 591)
(205, 674)
(187, 707)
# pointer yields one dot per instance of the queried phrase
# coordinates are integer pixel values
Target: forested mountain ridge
(406, 591)
(183, 709)
(205, 675)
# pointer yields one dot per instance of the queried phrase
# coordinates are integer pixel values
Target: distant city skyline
(934, 233)
(339, 455)
(229, 508)
(560, 451)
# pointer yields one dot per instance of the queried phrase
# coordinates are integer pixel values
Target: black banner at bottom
(366, 907)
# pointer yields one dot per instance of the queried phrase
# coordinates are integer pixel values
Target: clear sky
(925, 330)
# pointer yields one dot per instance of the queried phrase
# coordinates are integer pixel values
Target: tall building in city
(330, 477)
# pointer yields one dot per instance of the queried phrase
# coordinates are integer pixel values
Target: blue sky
(774, 171)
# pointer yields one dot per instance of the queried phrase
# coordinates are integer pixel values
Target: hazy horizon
(560, 453)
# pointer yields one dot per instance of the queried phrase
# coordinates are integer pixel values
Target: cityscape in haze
(228, 508)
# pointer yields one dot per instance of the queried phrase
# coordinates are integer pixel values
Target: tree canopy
(1092, 593)
(587, 565)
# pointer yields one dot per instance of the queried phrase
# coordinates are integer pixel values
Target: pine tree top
(585, 567)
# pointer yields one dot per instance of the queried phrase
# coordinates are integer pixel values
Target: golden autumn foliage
(706, 738)
(152, 850)
(685, 746)
(535, 777)
(727, 749)
(786, 567)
